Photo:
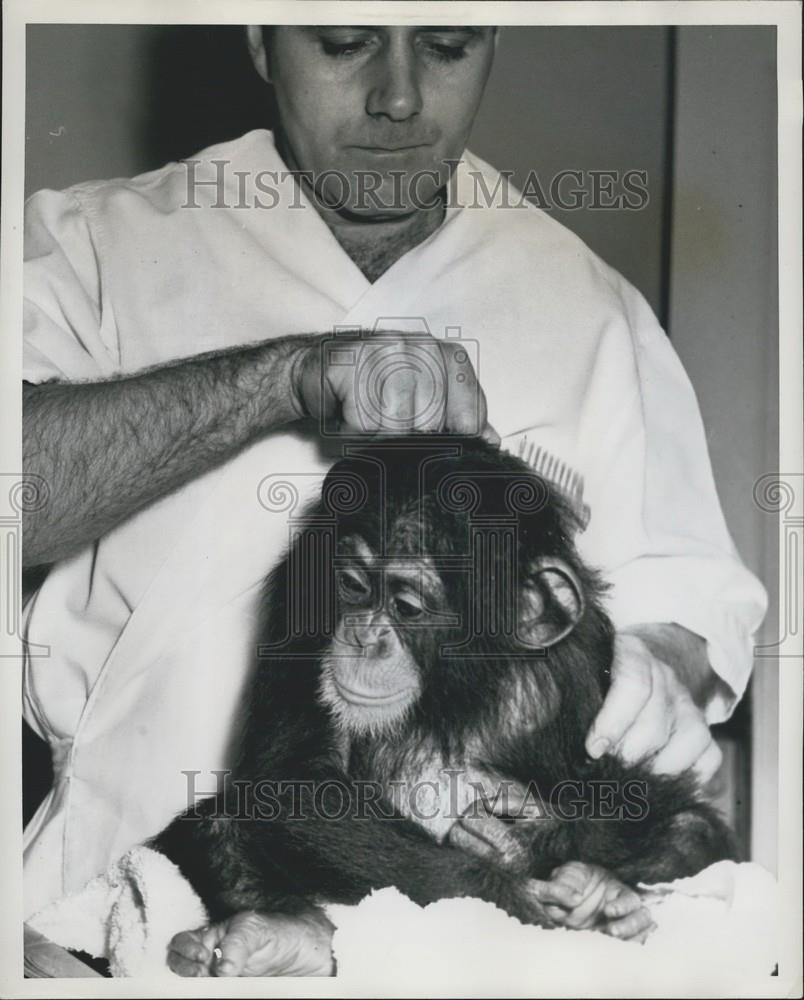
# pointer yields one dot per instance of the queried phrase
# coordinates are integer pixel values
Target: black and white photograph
(402, 498)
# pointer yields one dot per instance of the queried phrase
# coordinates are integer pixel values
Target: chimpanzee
(432, 646)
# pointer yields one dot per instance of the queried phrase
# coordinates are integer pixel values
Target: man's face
(379, 108)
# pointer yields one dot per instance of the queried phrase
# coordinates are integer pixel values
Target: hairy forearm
(106, 449)
(683, 651)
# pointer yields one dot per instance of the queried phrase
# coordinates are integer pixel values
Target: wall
(115, 100)
(724, 316)
(563, 98)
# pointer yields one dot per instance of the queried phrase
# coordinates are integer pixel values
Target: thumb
(245, 934)
(491, 436)
(631, 686)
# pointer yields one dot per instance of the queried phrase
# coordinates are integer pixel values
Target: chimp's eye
(408, 608)
(352, 586)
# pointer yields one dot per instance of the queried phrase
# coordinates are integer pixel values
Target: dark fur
(285, 863)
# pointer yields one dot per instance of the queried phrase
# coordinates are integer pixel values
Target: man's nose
(395, 92)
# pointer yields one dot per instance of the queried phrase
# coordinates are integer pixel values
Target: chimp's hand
(256, 944)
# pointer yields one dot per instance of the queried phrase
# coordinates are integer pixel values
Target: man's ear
(551, 603)
(256, 48)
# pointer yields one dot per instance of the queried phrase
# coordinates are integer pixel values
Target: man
(176, 326)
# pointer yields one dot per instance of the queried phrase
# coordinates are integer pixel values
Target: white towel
(127, 915)
(718, 926)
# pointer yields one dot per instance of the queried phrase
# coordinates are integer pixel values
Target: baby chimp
(433, 654)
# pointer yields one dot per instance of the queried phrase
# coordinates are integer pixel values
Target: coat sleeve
(660, 537)
(66, 335)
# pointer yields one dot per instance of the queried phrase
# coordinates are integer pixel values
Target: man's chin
(378, 217)
(379, 197)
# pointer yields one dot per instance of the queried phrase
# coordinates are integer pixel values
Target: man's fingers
(394, 384)
(648, 715)
(491, 436)
(394, 408)
(651, 730)
(631, 687)
(708, 764)
(690, 746)
(466, 411)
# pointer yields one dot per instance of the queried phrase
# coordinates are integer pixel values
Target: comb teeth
(561, 475)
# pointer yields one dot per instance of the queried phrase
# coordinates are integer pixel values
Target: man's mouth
(391, 149)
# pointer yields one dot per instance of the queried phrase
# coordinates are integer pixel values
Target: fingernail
(599, 747)
(225, 968)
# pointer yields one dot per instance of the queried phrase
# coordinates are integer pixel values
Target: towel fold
(127, 915)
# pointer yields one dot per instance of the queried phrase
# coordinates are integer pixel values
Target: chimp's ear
(551, 603)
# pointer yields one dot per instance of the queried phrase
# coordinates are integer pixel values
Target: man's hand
(195, 413)
(391, 383)
(650, 713)
(256, 944)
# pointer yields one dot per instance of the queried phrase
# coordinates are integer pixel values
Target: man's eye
(407, 610)
(349, 48)
(352, 587)
(446, 53)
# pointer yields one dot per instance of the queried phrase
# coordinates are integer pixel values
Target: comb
(562, 476)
